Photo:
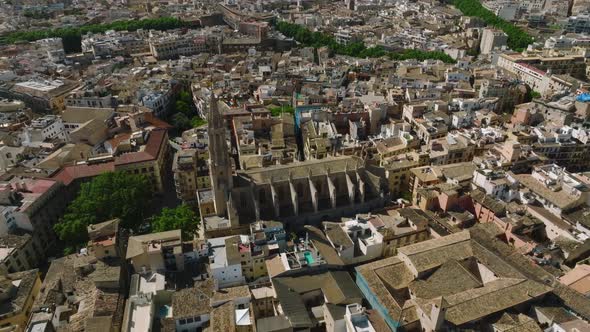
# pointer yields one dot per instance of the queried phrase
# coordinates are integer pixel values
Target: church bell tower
(220, 167)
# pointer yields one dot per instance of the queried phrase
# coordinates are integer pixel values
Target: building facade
(492, 39)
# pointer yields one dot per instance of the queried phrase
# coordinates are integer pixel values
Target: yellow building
(423, 178)
(191, 173)
(395, 146)
(149, 160)
(19, 291)
(206, 203)
(44, 95)
(252, 258)
(203, 179)
(253, 265)
(397, 171)
(156, 251)
(104, 241)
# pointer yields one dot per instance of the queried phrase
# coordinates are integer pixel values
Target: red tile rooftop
(115, 141)
(376, 221)
(243, 247)
(27, 185)
(156, 122)
(70, 173)
(39, 186)
(535, 69)
(105, 241)
(154, 144)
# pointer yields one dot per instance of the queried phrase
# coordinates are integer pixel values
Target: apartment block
(191, 173)
(492, 39)
(156, 252)
(21, 289)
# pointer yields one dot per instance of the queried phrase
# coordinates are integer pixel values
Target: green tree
(181, 121)
(318, 39)
(407, 196)
(532, 94)
(518, 39)
(182, 107)
(181, 217)
(109, 195)
(185, 96)
(35, 14)
(278, 110)
(473, 52)
(72, 36)
(197, 121)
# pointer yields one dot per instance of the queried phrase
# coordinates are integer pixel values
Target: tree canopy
(517, 38)
(181, 217)
(185, 115)
(182, 107)
(278, 110)
(185, 96)
(197, 121)
(357, 49)
(72, 36)
(532, 94)
(181, 121)
(107, 196)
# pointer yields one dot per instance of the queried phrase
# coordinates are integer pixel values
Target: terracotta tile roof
(156, 122)
(578, 278)
(70, 173)
(155, 142)
(115, 141)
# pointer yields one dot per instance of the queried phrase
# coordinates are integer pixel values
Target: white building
(556, 189)
(356, 240)
(462, 119)
(532, 5)
(497, 184)
(227, 271)
(506, 10)
(356, 319)
(94, 101)
(530, 75)
(146, 291)
(115, 43)
(12, 215)
(54, 48)
(472, 104)
(345, 36)
(9, 156)
(578, 24)
(8, 219)
(158, 96)
(492, 39)
(172, 45)
(457, 75)
(46, 128)
(572, 325)
(560, 43)
(11, 105)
